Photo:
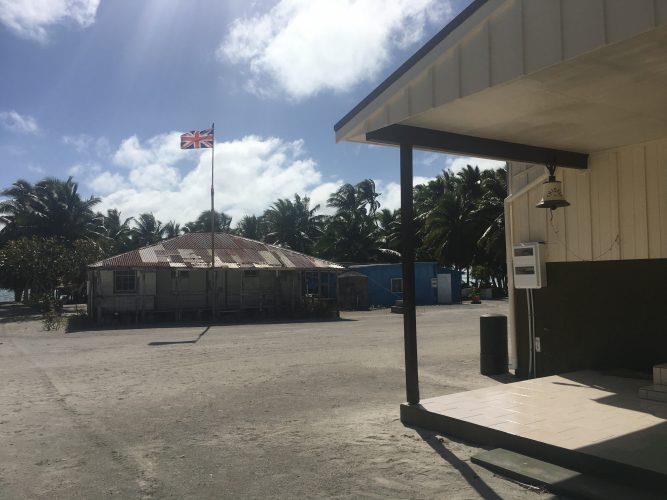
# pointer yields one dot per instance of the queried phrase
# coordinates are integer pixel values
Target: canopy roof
(193, 250)
(580, 76)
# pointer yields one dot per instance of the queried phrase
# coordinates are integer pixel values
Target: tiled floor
(585, 411)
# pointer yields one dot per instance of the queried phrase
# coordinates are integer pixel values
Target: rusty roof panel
(193, 250)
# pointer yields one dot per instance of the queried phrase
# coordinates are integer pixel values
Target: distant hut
(173, 279)
(353, 291)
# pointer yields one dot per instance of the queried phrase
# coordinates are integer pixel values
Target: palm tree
(360, 197)
(118, 231)
(461, 220)
(351, 238)
(367, 196)
(51, 207)
(15, 211)
(293, 224)
(60, 211)
(147, 230)
(389, 225)
(252, 227)
(447, 231)
(345, 198)
(490, 212)
(469, 182)
(202, 224)
(355, 232)
(171, 229)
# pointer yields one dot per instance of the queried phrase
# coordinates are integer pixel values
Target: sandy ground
(268, 410)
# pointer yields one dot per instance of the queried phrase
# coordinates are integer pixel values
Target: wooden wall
(618, 207)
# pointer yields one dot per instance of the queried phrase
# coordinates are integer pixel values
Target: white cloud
(458, 163)
(36, 169)
(428, 159)
(15, 122)
(84, 143)
(302, 47)
(84, 169)
(251, 173)
(155, 176)
(162, 149)
(32, 18)
(390, 193)
(106, 182)
(321, 194)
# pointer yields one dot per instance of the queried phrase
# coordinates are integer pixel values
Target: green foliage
(52, 317)
(356, 232)
(293, 224)
(117, 232)
(46, 263)
(51, 207)
(49, 234)
(461, 221)
(52, 320)
(172, 229)
(222, 223)
(147, 230)
(251, 226)
(389, 224)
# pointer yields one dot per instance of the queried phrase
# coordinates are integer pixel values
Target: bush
(52, 320)
(52, 316)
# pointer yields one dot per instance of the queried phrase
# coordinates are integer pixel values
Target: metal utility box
(528, 265)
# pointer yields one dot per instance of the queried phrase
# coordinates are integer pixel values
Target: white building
(580, 85)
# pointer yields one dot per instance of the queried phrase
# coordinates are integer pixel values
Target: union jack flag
(196, 139)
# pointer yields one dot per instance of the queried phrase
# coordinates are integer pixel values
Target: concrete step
(655, 392)
(554, 478)
(660, 374)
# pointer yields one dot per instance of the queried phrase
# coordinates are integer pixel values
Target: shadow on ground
(176, 342)
(11, 312)
(476, 482)
(76, 324)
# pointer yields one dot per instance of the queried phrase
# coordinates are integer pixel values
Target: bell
(552, 195)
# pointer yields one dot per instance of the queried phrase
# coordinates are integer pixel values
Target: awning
(566, 75)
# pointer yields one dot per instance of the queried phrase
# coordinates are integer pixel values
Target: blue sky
(101, 90)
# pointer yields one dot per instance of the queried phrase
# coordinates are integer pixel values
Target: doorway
(444, 288)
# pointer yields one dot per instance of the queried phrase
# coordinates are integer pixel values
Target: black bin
(493, 344)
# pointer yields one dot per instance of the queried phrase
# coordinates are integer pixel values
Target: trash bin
(493, 344)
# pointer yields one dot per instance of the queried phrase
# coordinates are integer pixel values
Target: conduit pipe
(509, 240)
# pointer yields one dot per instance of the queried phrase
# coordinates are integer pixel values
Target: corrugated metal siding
(618, 207)
(194, 251)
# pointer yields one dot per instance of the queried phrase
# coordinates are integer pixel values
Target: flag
(196, 139)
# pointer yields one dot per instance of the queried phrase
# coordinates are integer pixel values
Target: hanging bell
(552, 192)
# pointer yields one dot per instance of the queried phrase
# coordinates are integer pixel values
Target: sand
(266, 410)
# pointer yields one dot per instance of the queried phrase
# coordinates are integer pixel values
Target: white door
(444, 288)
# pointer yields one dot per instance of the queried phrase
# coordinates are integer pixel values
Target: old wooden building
(173, 280)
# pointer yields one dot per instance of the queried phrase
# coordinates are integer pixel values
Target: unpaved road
(268, 410)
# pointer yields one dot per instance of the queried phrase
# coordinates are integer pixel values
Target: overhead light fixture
(552, 192)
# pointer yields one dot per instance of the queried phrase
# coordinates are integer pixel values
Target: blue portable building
(433, 284)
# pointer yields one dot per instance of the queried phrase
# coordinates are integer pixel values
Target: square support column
(408, 261)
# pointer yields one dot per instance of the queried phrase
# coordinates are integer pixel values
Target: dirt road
(269, 410)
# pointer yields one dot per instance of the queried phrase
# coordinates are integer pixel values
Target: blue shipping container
(385, 283)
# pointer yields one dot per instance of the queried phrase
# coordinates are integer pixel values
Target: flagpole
(214, 277)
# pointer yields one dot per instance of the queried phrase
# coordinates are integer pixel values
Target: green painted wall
(600, 315)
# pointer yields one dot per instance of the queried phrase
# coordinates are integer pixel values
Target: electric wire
(617, 240)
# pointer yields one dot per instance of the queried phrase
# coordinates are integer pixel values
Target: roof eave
(346, 123)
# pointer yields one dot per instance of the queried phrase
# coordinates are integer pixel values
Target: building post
(408, 261)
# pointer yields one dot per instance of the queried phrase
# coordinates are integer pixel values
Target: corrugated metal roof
(193, 250)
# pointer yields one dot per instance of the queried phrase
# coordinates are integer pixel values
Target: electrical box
(528, 265)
